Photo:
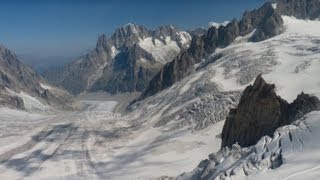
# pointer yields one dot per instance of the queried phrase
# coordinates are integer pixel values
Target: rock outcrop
(16, 77)
(270, 26)
(260, 112)
(301, 9)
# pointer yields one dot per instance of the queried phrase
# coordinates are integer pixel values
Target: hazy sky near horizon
(71, 27)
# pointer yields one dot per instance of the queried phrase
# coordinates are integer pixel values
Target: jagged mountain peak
(261, 111)
(266, 22)
(127, 35)
(301, 9)
(6, 52)
(102, 41)
(156, 48)
(22, 88)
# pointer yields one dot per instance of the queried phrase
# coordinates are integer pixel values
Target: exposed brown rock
(260, 112)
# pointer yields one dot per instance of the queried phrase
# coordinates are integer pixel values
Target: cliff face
(260, 112)
(15, 77)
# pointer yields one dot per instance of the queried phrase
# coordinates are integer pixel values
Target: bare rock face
(302, 105)
(302, 9)
(17, 77)
(271, 26)
(119, 63)
(128, 73)
(260, 112)
(228, 33)
(13, 102)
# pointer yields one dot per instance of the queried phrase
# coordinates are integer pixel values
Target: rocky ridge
(266, 22)
(123, 62)
(18, 81)
(255, 135)
(260, 112)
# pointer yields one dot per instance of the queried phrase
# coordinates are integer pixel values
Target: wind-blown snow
(162, 52)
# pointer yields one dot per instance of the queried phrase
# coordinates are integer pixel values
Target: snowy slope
(300, 151)
(162, 52)
(31, 103)
(291, 61)
(172, 131)
(96, 144)
(294, 147)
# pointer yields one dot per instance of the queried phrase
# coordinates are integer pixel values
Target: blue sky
(71, 27)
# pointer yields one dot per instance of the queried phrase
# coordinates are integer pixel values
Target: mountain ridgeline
(135, 58)
(124, 62)
(266, 22)
(19, 85)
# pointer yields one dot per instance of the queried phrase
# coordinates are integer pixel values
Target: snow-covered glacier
(171, 132)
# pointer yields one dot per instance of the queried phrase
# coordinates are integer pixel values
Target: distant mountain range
(124, 62)
(135, 58)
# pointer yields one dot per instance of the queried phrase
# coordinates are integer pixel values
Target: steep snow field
(290, 60)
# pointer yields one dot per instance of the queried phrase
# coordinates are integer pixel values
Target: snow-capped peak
(274, 5)
(217, 25)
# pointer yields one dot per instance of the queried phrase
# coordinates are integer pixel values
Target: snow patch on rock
(162, 52)
(31, 103)
(217, 25)
(274, 5)
(45, 86)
